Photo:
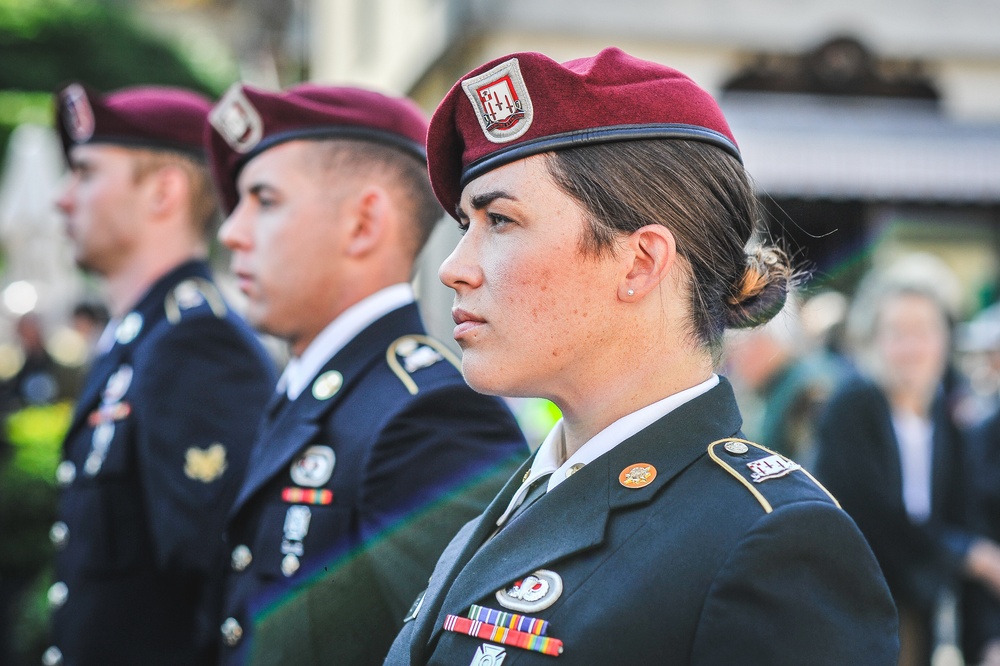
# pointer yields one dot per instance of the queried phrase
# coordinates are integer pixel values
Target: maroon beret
(247, 121)
(526, 103)
(144, 117)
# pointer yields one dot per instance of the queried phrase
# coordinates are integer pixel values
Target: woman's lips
(465, 322)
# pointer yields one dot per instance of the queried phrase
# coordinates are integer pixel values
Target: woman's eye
(497, 220)
(463, 226)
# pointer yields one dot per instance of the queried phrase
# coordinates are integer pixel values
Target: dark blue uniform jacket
(152, 461)
(701, 565)
(354, 489)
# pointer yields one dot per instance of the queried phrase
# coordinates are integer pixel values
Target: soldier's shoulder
(770, 478)
(193, 298)
(420, 363)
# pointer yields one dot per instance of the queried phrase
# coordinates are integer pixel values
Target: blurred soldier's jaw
(101, 203)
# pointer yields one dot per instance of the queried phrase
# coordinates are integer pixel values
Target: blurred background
(871, 129)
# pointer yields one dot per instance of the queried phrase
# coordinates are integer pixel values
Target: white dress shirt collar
(301, 370)
(548, 460)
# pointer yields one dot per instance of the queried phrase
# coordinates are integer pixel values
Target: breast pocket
(294, 540)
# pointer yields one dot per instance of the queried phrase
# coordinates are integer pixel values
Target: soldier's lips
(465, 323)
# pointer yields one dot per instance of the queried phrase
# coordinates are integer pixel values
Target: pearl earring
(631, 292)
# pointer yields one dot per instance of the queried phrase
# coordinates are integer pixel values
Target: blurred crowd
(891, 400)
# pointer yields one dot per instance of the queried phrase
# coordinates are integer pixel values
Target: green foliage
(44, 43)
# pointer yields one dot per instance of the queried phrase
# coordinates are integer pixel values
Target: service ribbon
(491, 632)
(306, 496)
(530, 625)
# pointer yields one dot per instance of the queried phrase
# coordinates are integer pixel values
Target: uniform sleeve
(202, 389)
(801, 587)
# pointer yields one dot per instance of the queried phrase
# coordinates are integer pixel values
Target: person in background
(163, 426)
(374, 451)
(789, 374)
(890, 451)
(608, 226)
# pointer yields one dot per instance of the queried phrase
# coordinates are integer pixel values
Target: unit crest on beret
(756, 466)
(411, 353)
(191, 294)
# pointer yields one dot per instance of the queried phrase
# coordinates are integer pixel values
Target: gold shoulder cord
(404, 376)
(756, 493)
(208, 291)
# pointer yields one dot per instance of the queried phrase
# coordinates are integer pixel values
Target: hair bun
(762, 289)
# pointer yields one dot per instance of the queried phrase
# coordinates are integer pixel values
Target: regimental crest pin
(205, 465)
(77, 113)
(314, 466)
(637, 475)
(501, 101)
(488, 655)
(771, 467)
(535, 592)
(237, 120)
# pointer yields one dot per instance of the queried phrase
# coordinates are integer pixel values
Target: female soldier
(608, 244)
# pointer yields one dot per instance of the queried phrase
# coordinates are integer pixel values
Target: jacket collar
(573, 517)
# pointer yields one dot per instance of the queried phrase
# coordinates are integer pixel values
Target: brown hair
(203, 205)
(404, 173)
(705, 198)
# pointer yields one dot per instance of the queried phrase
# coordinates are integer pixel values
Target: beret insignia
(500, 99)
(77, 113)
(237, 120)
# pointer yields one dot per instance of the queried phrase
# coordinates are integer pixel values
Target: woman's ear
(649, 255)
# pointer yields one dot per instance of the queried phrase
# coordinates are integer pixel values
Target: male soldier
(167, 415)
(375, 451)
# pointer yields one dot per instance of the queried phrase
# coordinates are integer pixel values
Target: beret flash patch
(237, 121)
(500, 99)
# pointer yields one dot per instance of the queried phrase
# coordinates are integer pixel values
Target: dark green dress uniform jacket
(152, 460)
(354, 489)
(701, 566)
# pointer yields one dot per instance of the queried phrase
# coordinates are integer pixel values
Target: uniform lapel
(573, 517)
(150, 308)
(462, 548)
(300, 421)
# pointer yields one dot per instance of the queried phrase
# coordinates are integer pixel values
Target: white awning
(819, 147)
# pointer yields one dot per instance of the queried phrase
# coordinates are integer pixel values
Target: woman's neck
(593, 408)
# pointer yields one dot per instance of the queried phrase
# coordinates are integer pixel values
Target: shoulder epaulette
(754, 465)
(193, 293)
(410, 353)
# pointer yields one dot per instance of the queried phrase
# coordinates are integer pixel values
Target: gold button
(65, 473)
(57, 595)
(232, 632)
(736, 448)
(241, 558)
(574, 469)
(59, 534)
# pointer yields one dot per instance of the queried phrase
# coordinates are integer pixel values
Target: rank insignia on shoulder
(752, 464)
(190, 294)
(205, 465)
(410, 353)
(771, 467)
